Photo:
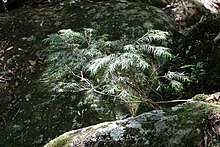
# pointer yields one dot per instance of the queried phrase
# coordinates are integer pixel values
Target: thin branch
(137, 89)
(16, 114)
(174, 101)
(185, 7)
(150, 102)
(165, 102)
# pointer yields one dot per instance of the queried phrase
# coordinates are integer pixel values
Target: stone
(159, 128)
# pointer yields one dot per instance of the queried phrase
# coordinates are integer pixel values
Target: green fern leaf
(176, 85)
(153, 35)
(176, 76)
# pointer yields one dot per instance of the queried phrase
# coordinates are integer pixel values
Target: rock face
(25, 29)
(183, 125)
(157, 3)
(114, 17)
(119, 18)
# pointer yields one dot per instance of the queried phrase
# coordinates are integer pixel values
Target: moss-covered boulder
(31, 115)
(116, 17)
(127, 18)
(156, 3)
(184, 125)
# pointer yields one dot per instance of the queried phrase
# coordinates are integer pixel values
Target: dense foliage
(199, 54)
(118, 72)
(89, 78)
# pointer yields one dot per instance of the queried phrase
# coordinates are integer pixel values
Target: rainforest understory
(171, 49)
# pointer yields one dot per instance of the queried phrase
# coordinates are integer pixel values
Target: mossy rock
(173, 127)
(25, 29)
(118, 18)
(61, 141)
(156, 3)
(200, 97)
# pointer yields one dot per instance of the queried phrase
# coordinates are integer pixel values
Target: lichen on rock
(183, 127)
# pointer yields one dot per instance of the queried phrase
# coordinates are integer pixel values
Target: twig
(185, 7)
(174, 101)
(3, 80)
(16, 114)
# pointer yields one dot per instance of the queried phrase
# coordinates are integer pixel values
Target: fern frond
(123, 94)
(130, 48)
(132, 60)
(111, 89)
(64, 39)
(140, 62)
(70, 35)
(126, 61)
(176, 85)
(90, 53)
(176, 76)
(157, 51)
(99, 63)
(153, 35)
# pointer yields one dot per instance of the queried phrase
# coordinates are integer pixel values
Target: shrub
(110, 75)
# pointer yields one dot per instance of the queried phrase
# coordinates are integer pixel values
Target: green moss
(90, 129)
(193, 112)
(61, 141)
(200, 97)
(193, 115)
(190, 138)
